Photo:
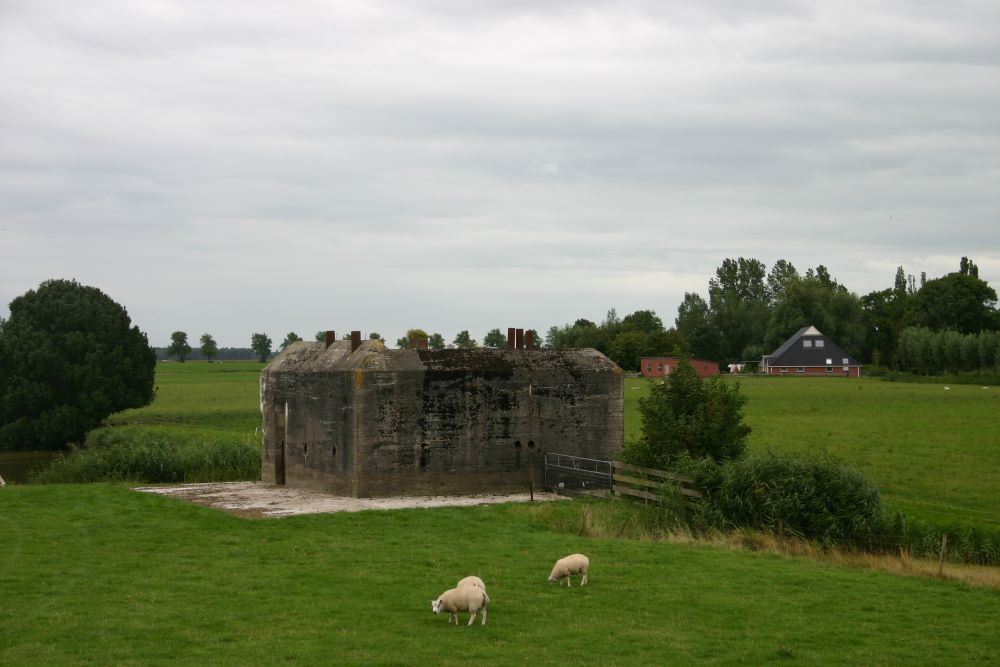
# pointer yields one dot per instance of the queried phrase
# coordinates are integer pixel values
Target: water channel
(15, 466)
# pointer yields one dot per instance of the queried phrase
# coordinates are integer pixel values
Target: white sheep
(466, 598)
(568, 566)
(471, 581)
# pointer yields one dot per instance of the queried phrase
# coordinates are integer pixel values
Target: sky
(232, 167)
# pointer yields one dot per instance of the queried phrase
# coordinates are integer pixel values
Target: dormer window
(806, 342)
(819, 342)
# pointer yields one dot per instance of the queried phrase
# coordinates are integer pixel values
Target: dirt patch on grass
(258, 500)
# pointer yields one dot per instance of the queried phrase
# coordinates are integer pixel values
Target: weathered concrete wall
(377, 423)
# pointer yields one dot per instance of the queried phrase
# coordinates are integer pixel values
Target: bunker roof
(372, 356)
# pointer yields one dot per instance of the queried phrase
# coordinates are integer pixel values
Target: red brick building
(809, 353)
(657, 367)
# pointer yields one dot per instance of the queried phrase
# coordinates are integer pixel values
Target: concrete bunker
(356, 419)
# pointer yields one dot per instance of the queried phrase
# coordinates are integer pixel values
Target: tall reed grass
(154, 455)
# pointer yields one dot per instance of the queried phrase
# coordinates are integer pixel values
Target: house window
(784, 370)
(800, 370)
(819, 342)
(829, 369)
(807, 343)
(649, 368)
(846, 369)
(659, 367)
(829, 362)
(846, 360)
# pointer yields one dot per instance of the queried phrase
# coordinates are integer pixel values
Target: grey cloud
(561, 157)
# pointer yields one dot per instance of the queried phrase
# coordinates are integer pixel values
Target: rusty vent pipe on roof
(330, 337)
(519, 339)
(510, 338)
(355, 340)
(529, 339)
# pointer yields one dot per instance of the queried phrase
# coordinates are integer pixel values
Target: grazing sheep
(568, 566)
(467, 598)
(2, 483)
(471, 581)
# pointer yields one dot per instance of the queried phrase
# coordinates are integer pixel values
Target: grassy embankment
(99, 574)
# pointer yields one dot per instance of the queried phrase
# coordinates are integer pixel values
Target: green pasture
(101, 574)
(210, 398)
(933, 452)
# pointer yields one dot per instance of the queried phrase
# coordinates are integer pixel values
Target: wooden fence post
(944, 548)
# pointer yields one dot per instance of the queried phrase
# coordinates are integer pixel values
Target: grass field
(100, 574)
(214, 399)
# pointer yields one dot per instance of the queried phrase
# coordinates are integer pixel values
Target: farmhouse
(809, 352)
(657, 367)
(354, 418)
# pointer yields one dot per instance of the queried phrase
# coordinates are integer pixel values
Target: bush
(153, 456)
(812, 499)
(686, 415)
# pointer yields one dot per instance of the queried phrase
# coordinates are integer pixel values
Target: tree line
(749, 311)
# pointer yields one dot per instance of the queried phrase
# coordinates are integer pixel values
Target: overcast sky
(239, 166)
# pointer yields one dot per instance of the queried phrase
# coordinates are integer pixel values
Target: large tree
(436, 342)
(464, 340)
(494, 338)
(179, 346)
(778, 278)
(959, 301)
(209, 349)
(261, 344)
(69, 358)
(290, 338)
(738, 297)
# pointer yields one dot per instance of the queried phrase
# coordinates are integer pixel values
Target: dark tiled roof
(792, 352)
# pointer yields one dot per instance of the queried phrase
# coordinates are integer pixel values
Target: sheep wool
(467, 598)
(568, 566)
(471, 581)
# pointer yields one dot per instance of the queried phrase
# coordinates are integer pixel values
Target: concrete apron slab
(259, 500)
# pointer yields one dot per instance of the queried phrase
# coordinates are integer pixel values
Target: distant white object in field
(467, 598)
(2, 483)
(568, 566)
(947, 388)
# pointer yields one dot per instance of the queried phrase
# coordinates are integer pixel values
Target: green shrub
(686, 415)
(814, 499)
(154, 455)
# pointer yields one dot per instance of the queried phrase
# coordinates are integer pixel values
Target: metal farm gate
(575, 474)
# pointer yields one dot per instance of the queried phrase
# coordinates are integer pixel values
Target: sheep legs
(584, 581)
(472, 617)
